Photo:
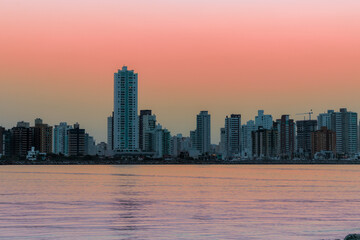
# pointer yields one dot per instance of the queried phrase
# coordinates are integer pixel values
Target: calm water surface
(179, 202)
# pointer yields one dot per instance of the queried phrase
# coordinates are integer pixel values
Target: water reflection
(179, 202)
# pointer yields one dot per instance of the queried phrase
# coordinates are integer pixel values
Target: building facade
(61, 138)
(324, 119)
(202, 136)
(286, 129)
(304, 129)
(345, 125)
(323, 140)
(43, 137)
(233, 135)
(126, 126)
(2, 147)
(76, 141)
(22, 139)
(264, 143)
(141, 126)
(246, 136)
(148, 125)
(110, 132)
(264, 121)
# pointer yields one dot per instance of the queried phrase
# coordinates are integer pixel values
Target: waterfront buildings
(324, 119)
(61, 138)
(264, 121)
(76, 141)
(264, 143)
(161, 142)
(21, 139)
(110, 132)
(201, 137)
(148, 124)
(2, 131)
(222, 144)
(323, 140)
(141, 127)
(90, 146)
(233, 136)
(304, 129)
(344, 124)
(286, 129)
(43, 137)
(246, 136)
(126, 128)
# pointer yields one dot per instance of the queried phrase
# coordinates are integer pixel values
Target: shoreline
(98, 161)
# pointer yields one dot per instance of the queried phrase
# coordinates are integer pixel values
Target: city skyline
(234, 57)
(215, 135)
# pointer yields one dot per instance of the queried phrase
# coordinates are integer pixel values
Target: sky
(58, 58)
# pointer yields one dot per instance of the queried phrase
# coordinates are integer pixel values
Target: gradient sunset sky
(57, 59)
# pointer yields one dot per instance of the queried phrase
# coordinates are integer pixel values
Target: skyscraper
(323, 140)
(43, 136)
(61, 138)
(324, 119)
(222, 141)
(264, 143)
(203, 132)
(141, 127)
(126, 128)
(148, 125)
(21, 139)
(344, 124)
(76, 141)
(304, 130)
(264, 121)
(286, 129)
(246, 136)
(110, 132)
(2, 130)
(233, 135)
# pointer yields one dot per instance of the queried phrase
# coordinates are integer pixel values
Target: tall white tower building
(126, 128)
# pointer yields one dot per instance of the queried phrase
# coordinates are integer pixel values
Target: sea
(250, 202)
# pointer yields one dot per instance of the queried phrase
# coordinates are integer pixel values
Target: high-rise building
(264, 121)
(324, 119)
(7, 142)
(344, 124)
(286, 129)
(21, 139)
(43, 136)
(264, 143)
(76, 141)
(2, 131)
(110, 132)
(141, 126)
(304, 130)
(161, 142)
(61, 138)
(323, 140)
(246, 137)
(90, 145)
(148, 124)
(222, 141)
(126, 127)
(233, 135)
(203, 132)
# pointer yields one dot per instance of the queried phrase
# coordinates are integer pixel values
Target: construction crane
(311, 112)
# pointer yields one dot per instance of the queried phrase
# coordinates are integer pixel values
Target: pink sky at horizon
(57, 59)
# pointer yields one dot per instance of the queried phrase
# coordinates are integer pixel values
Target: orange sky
(57, 59)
